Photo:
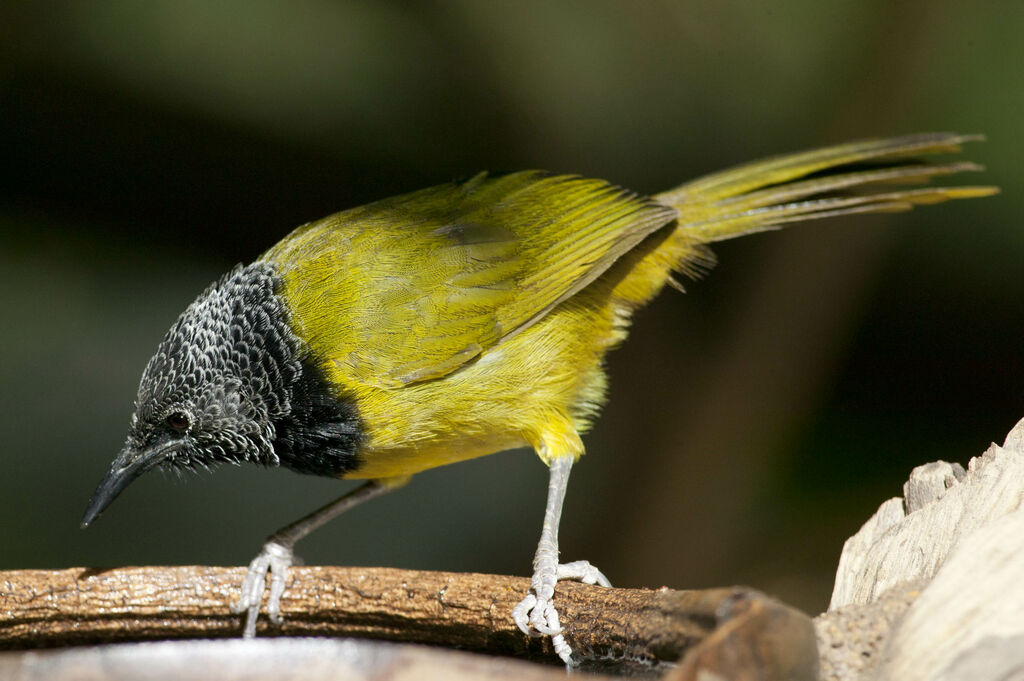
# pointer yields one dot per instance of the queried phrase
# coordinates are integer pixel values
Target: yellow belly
(394, 462)
(539, 388)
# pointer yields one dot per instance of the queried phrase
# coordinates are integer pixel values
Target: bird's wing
(411, 288)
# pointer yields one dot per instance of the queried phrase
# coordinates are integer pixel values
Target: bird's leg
(278, 555)
(536, 615)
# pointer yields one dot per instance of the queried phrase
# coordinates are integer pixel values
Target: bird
(462, 320)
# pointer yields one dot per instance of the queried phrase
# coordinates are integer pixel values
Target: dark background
(754, 424)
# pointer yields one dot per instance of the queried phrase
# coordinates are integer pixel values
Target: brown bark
(44, 608)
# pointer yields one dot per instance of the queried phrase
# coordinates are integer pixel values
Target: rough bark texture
(727, 630)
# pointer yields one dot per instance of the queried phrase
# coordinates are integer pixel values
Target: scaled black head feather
(225, 366)
(231, 371)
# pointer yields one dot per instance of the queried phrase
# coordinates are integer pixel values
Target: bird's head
(222, 378)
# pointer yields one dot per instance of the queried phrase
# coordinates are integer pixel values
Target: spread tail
(872, 176)
(860, 177)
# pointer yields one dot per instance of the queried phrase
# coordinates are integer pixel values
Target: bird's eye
(179, 421)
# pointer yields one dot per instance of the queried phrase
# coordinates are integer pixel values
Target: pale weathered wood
(647, 629)
(910, 541)
(972, 612)
(932, 587)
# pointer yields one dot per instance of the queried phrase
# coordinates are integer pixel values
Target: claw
(277, 556)
(521, 614)
(275, 559)
(536, 614)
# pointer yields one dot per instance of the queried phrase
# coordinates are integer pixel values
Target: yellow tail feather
(860, 177)
(849, 178)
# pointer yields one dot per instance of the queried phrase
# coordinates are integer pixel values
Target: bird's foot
(275, 558)
(536, 614)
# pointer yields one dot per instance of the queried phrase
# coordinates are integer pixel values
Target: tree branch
(45, 608)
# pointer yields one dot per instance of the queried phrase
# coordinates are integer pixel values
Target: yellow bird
(459, 321)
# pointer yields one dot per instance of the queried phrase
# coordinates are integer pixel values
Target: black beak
(126, 467)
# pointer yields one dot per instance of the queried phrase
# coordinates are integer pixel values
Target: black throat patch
(321, 432)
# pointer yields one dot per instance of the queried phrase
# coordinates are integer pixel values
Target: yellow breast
(541, 386)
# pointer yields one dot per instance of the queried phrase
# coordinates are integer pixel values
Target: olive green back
(412, 287)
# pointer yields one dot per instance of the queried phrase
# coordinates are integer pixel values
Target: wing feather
(411, 288)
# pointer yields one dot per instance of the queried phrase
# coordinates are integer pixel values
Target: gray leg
(278, 554)
(536, 615)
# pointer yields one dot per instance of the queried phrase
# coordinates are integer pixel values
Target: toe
(582, 571)
(250, 621)
(521, 614)
(563, 650)
(544, 619)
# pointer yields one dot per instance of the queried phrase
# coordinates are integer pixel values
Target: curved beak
(126, 467)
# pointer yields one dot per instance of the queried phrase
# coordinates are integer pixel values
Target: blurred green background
(754, 424)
